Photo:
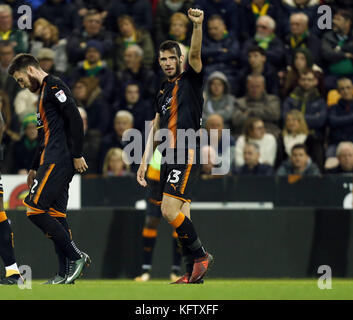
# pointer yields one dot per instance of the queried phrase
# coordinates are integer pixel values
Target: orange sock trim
(3, 216)
(175, 235)
(149, 233)
(176, 223)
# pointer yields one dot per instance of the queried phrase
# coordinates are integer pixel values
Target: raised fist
(195, 15)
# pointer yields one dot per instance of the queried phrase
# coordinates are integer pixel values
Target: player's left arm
(194, 58)
(68, 107)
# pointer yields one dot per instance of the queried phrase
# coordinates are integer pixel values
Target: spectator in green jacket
(18, 38)
(129, 34)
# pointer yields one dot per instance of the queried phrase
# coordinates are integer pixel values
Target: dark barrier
(246, 243)
(330, 191)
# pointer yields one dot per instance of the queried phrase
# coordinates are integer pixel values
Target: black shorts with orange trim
(50, 189)
(177, 179)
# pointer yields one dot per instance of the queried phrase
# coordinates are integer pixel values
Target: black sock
(188, 236)
(188, 260)
(57, 233)
(62, 260)
(149, 237)
(6, 243)
(177, 250)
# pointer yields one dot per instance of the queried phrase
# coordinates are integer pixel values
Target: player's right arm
(150, 147)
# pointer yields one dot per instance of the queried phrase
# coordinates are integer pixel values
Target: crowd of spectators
(279, 83)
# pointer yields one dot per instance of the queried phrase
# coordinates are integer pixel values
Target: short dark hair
(345, 14)
(300, 146)
(215, 17)
(257, 49)
(22, 61)
(170, 45)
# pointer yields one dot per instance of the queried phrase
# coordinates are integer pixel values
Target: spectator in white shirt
(254, 131)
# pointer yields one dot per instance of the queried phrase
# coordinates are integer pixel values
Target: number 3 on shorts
(173, 176)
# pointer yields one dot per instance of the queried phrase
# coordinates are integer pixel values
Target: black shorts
(50, 189)
(177, 179)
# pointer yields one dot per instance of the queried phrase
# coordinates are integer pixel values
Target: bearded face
(26, 81)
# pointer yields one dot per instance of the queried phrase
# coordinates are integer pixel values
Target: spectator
(12, 125)
(140, 110)
(220, 49)
(46, 61)
(91, 29)
(123, 121)
(228, 10)
(93, 66)
(337, 49)
(209, 159)
(129, 35)
(15, 4)
(252, 10)
(139, 10)
(61, 13)
(266, 38)
(254, 131)
(301, 63)
(252, 165)
(135, 71)
(300, 37)
(7, 83)
(224, 149)
(218, 98)
(89, 95)
(340, 117)
(296, 131)
(164, 11)
(25, 149)
(91, 144)
(339, 4)
(307, 7)
(25, 102)
(299, 163)
(46, 35)
(114, 164)
(84, 6)
(307, 99)
(344, 154)
(257, 103)
(257, 64)
(18, 38)
(178, 29)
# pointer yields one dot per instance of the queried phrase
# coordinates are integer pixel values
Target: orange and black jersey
(179, 103)
(59, 123)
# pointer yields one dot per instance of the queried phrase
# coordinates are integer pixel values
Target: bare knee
(170, 208)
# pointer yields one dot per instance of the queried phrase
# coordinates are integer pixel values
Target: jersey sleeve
(193, 75)
(60, 94)
(63, 99)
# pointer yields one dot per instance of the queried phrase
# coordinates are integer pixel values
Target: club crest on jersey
(60, 95)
